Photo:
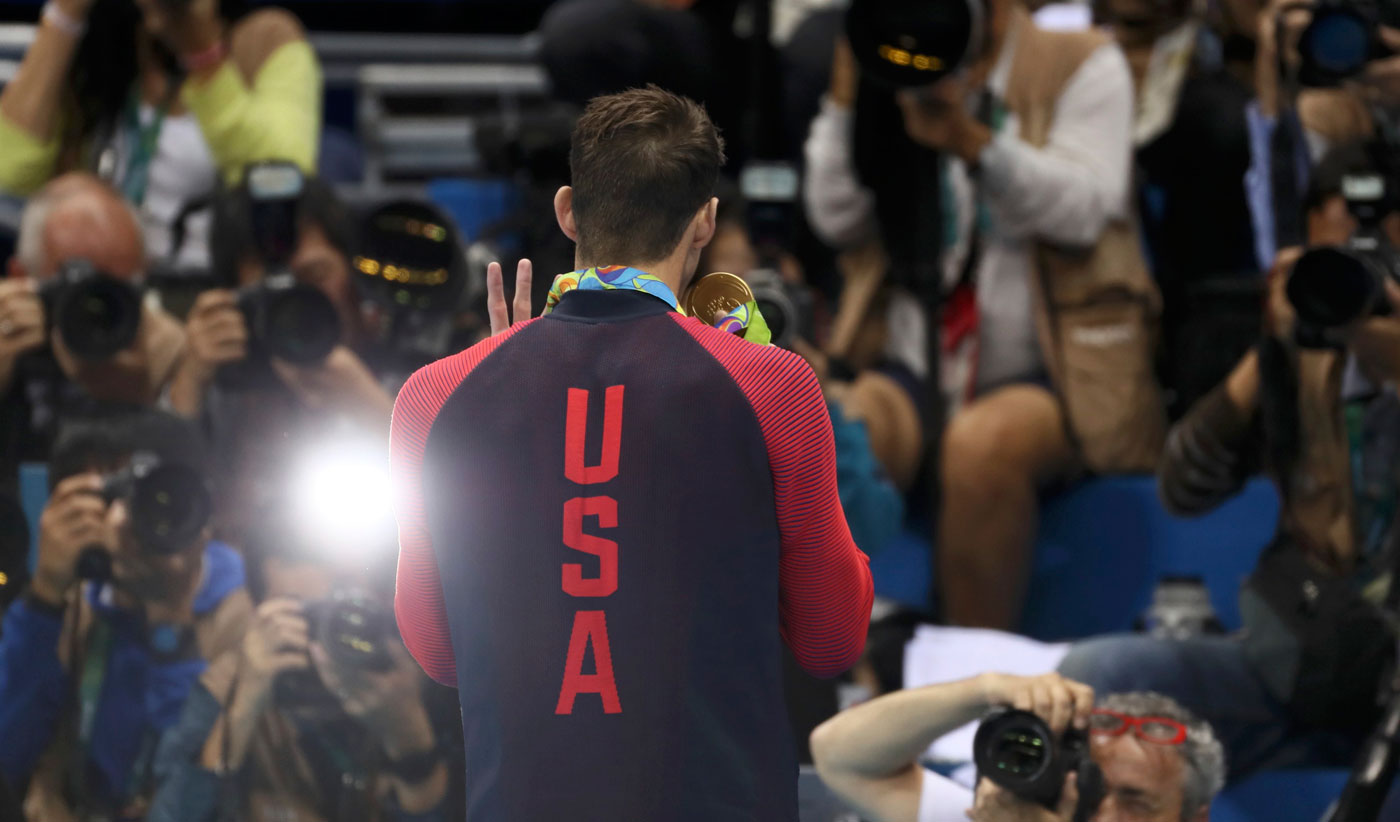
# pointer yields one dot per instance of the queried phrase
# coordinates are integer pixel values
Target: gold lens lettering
(904, 57)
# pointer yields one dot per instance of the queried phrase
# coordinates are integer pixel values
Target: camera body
(1343, 36)
(1017, 751)
(354, 630)
(96, 314)
(786, 308)
(286, 319)
(1332, 287)
(169, 506)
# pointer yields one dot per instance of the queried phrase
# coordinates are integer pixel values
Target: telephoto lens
(911, 43)
(96, 314)
(1017, 751)
(169, 506)
(289, 320)
(169, 502)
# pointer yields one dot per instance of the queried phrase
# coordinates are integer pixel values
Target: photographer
(1022, 143)
(74, 218)
(91, 673)
(869, 754)
(163, 98)
(1299, 686)
(218, 332)
(250, 400)
(352, 742)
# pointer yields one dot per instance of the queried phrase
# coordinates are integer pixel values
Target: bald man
(74, 217)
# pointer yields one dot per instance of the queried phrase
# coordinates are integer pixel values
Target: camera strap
(145, 139)
(94, 671)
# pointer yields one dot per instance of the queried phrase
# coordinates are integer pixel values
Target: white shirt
(942, 799)
(1064, 193)
(182, 171)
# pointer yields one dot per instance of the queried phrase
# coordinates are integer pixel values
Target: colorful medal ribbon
(616, 277)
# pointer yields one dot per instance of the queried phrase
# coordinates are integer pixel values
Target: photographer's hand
(496, 296)
(342, 383)
(390, 706)
(215, 334)
(276, 643)
(73, 520)
(1059, 701)
(21, 325)
(1376, 342)
(845, 75)
(994, 804)
(937, 118)
(186, 27)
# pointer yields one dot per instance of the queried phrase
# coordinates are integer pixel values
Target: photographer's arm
(1069, 189)
(840, 209)
(1211, 452)
(264, 102)
(31, 102)
(869, 754)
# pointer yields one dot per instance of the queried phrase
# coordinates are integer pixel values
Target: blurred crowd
(1147, 236)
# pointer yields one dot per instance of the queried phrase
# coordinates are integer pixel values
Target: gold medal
(715, 295)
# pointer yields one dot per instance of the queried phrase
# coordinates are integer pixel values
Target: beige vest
(1096, 308)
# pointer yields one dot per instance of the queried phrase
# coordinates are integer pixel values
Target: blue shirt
(139, 696)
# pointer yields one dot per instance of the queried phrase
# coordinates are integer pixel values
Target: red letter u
(576, 434)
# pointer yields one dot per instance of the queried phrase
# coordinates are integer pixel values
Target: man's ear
(704, 223)
(564, 212)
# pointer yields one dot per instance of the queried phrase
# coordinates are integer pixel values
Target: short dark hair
(231, 239)
(643, 162)
(105, 437)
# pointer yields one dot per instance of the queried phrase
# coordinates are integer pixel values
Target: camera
(786, 308)
(169, 505)
(1333, 287)
(286, 319)
(412, 266)
(1017, 751)
(910, 43)
(96, 314)
(354, 630)
(1342, 37)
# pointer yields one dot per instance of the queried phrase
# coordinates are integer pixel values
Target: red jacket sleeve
(825, 588)
(418, 603)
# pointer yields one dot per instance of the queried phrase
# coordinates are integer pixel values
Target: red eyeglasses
(1156, 729)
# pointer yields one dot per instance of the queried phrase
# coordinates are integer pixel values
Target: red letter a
(576, 431)
(589, 626)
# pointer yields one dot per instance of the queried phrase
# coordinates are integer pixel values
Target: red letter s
(605, 509)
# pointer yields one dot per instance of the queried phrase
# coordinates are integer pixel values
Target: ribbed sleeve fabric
(825, 587)
(418, 601)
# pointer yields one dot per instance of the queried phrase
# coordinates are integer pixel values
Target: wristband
(62, 20)
(202, 61)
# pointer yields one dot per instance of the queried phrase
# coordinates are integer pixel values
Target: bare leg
(997, 454)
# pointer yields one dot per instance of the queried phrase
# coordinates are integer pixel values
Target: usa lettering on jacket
(590, 626)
